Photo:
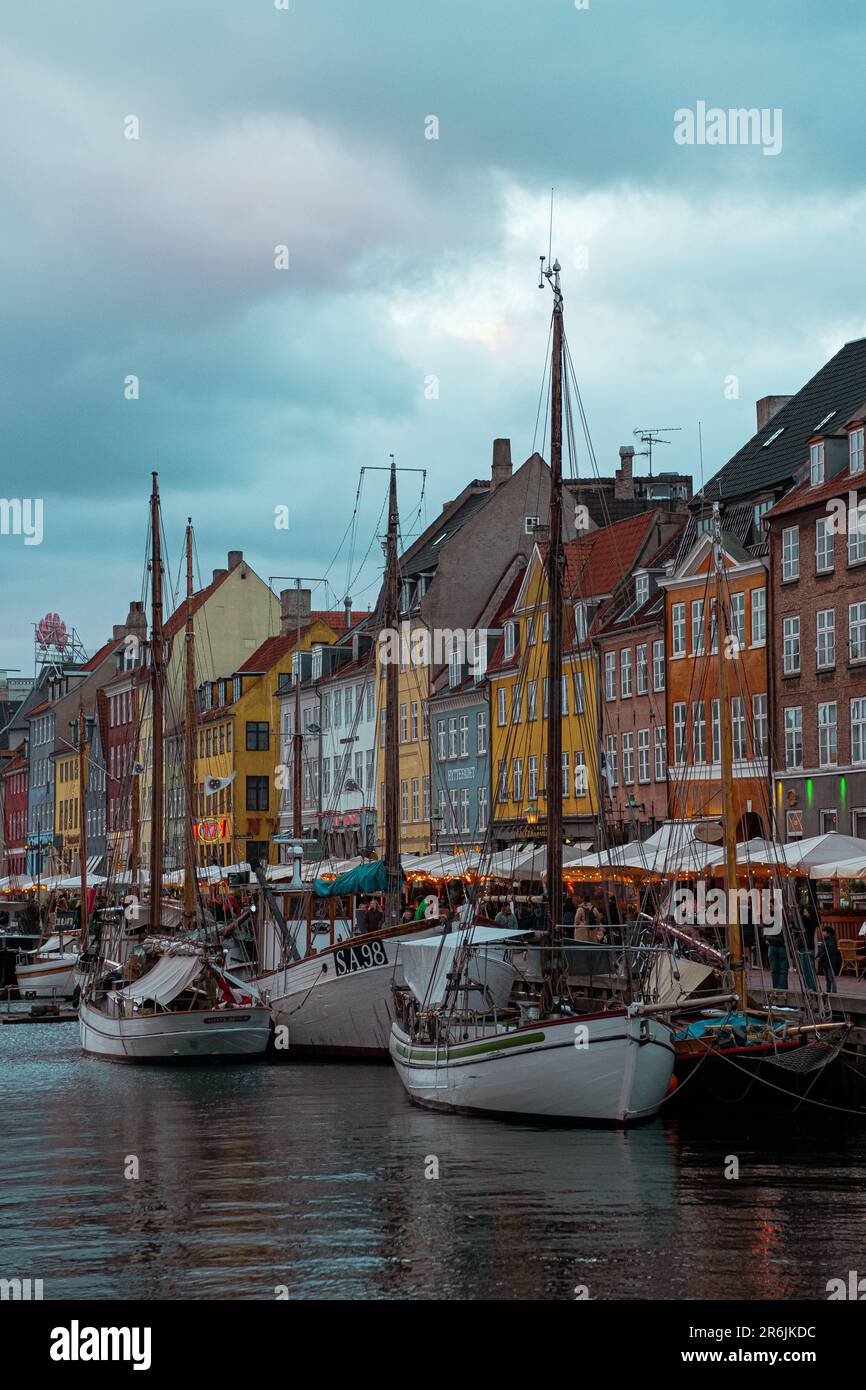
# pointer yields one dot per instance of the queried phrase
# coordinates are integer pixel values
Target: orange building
(694, 728)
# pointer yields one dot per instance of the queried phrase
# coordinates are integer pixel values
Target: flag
(212, 785)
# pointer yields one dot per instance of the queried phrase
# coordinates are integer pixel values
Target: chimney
(136, 619)
(767, 407)
(347, 610)
(218, 574)
(235, 558)
(294, 609)
(117, 631)
(623, 482)
(501, 470)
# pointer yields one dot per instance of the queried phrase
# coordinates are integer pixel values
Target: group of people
(820, 950)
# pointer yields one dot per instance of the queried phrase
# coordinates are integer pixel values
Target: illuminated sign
(210, 830)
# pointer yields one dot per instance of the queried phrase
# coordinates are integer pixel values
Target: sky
(698, 277)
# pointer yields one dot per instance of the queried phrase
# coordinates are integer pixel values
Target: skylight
(824, 421)
(775, 435)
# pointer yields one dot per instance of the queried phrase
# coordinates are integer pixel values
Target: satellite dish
(709, 833)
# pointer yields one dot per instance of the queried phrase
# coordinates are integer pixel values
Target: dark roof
(839, 387)
(739, 521)
(426, 556)
(804, 495)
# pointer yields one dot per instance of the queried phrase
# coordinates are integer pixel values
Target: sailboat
(176, 1001)
(474, 1032)
(334, 998)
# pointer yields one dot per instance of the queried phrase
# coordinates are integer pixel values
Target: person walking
(828, 957)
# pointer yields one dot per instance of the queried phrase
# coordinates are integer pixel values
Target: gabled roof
(837, 391)
(597, 563)
(172, 625)
(424, 554)
(100, 655)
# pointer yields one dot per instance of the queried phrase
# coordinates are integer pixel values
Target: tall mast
(82, 820)
(392, 727)
(189, 743)
(554, 645)
(157, 684)
(298, 737)
(735, 945)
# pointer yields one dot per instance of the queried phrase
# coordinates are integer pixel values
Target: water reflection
(314, 1178)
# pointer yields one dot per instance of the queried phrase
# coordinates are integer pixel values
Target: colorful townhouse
(15, 776)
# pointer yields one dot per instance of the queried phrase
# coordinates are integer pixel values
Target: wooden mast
(157, 683)
(189, 740)
(298, 737)
(735, 944)
(554, 646)
(82, 820)
(392, 728)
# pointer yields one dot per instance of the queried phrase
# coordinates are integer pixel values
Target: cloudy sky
(409, 258)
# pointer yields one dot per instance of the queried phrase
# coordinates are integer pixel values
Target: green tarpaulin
(367, 878)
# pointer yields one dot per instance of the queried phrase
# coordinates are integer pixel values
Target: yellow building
(518, 718)
(66, 818)
(414, 736)
(238, 732)
(233, 616)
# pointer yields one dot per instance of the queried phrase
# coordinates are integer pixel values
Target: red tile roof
(105, 650)
(598, 562)
(273, 648)
(172, 625)
(804, 495)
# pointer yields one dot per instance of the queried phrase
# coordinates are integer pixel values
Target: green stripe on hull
(431, 1054)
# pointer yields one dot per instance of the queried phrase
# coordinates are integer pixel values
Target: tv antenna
(653, 436)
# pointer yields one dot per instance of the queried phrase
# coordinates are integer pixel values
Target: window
(517, 780)
(257, 793)
(530, 631)
(566, 780)
(791, 646)
(455, 667)
(441, 744)
(738, 726)
(628, 759)
(426, 792)
(464, 736)
(257, 851)
(714, 628)
(414, 721)
(794, 737)
(678, 617)
(610, 758)
(509, 640)
(610, 675)
(760, 726)
(482, 809)
(416, 801)
(580, 623)
(641, 588)
(758, 514)
(659, 664)
(661, 753)
(404, 725)
(790, 553)
(501, 707)
(532, 777)
(515, 703)
(825, 620)
(716, 724)
(531, 700)
(545, 626)
(530, 523)
(824, 551)
(481, 730)
(856, 456)
(371, 700)
(643, 755)
(827, 734)
(857, 632)
(545, 702)
(464, 810)
(759, 616)
(816, 463)
(564, 696)
(699, 732)
(738, 619)
(858, 730)
(697, 626)
(452, 736)
(641, 671)
(502, 788)
(404, 800)
(625, 672)
(237, 689)
(679, 732)
(579, 701)
(857, 533)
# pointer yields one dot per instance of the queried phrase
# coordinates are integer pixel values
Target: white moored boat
(167, 1014)
(47, 973)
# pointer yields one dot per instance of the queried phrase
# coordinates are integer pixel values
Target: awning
(168, 978)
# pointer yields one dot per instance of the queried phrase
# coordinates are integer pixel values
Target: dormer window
(641, 588)
(317, 659)
(856, 460)
(530, 523)
(816, 463)
(580, 621)
(455, 667)
(510, 639)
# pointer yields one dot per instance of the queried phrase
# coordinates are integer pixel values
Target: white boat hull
(320, 1006)
(619, 1076)
(194, 1035)
(53, 977)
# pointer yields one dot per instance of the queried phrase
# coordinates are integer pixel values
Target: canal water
(316, 1181)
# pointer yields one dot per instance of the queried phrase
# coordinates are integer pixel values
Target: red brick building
(15, 775)
(818, 623)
